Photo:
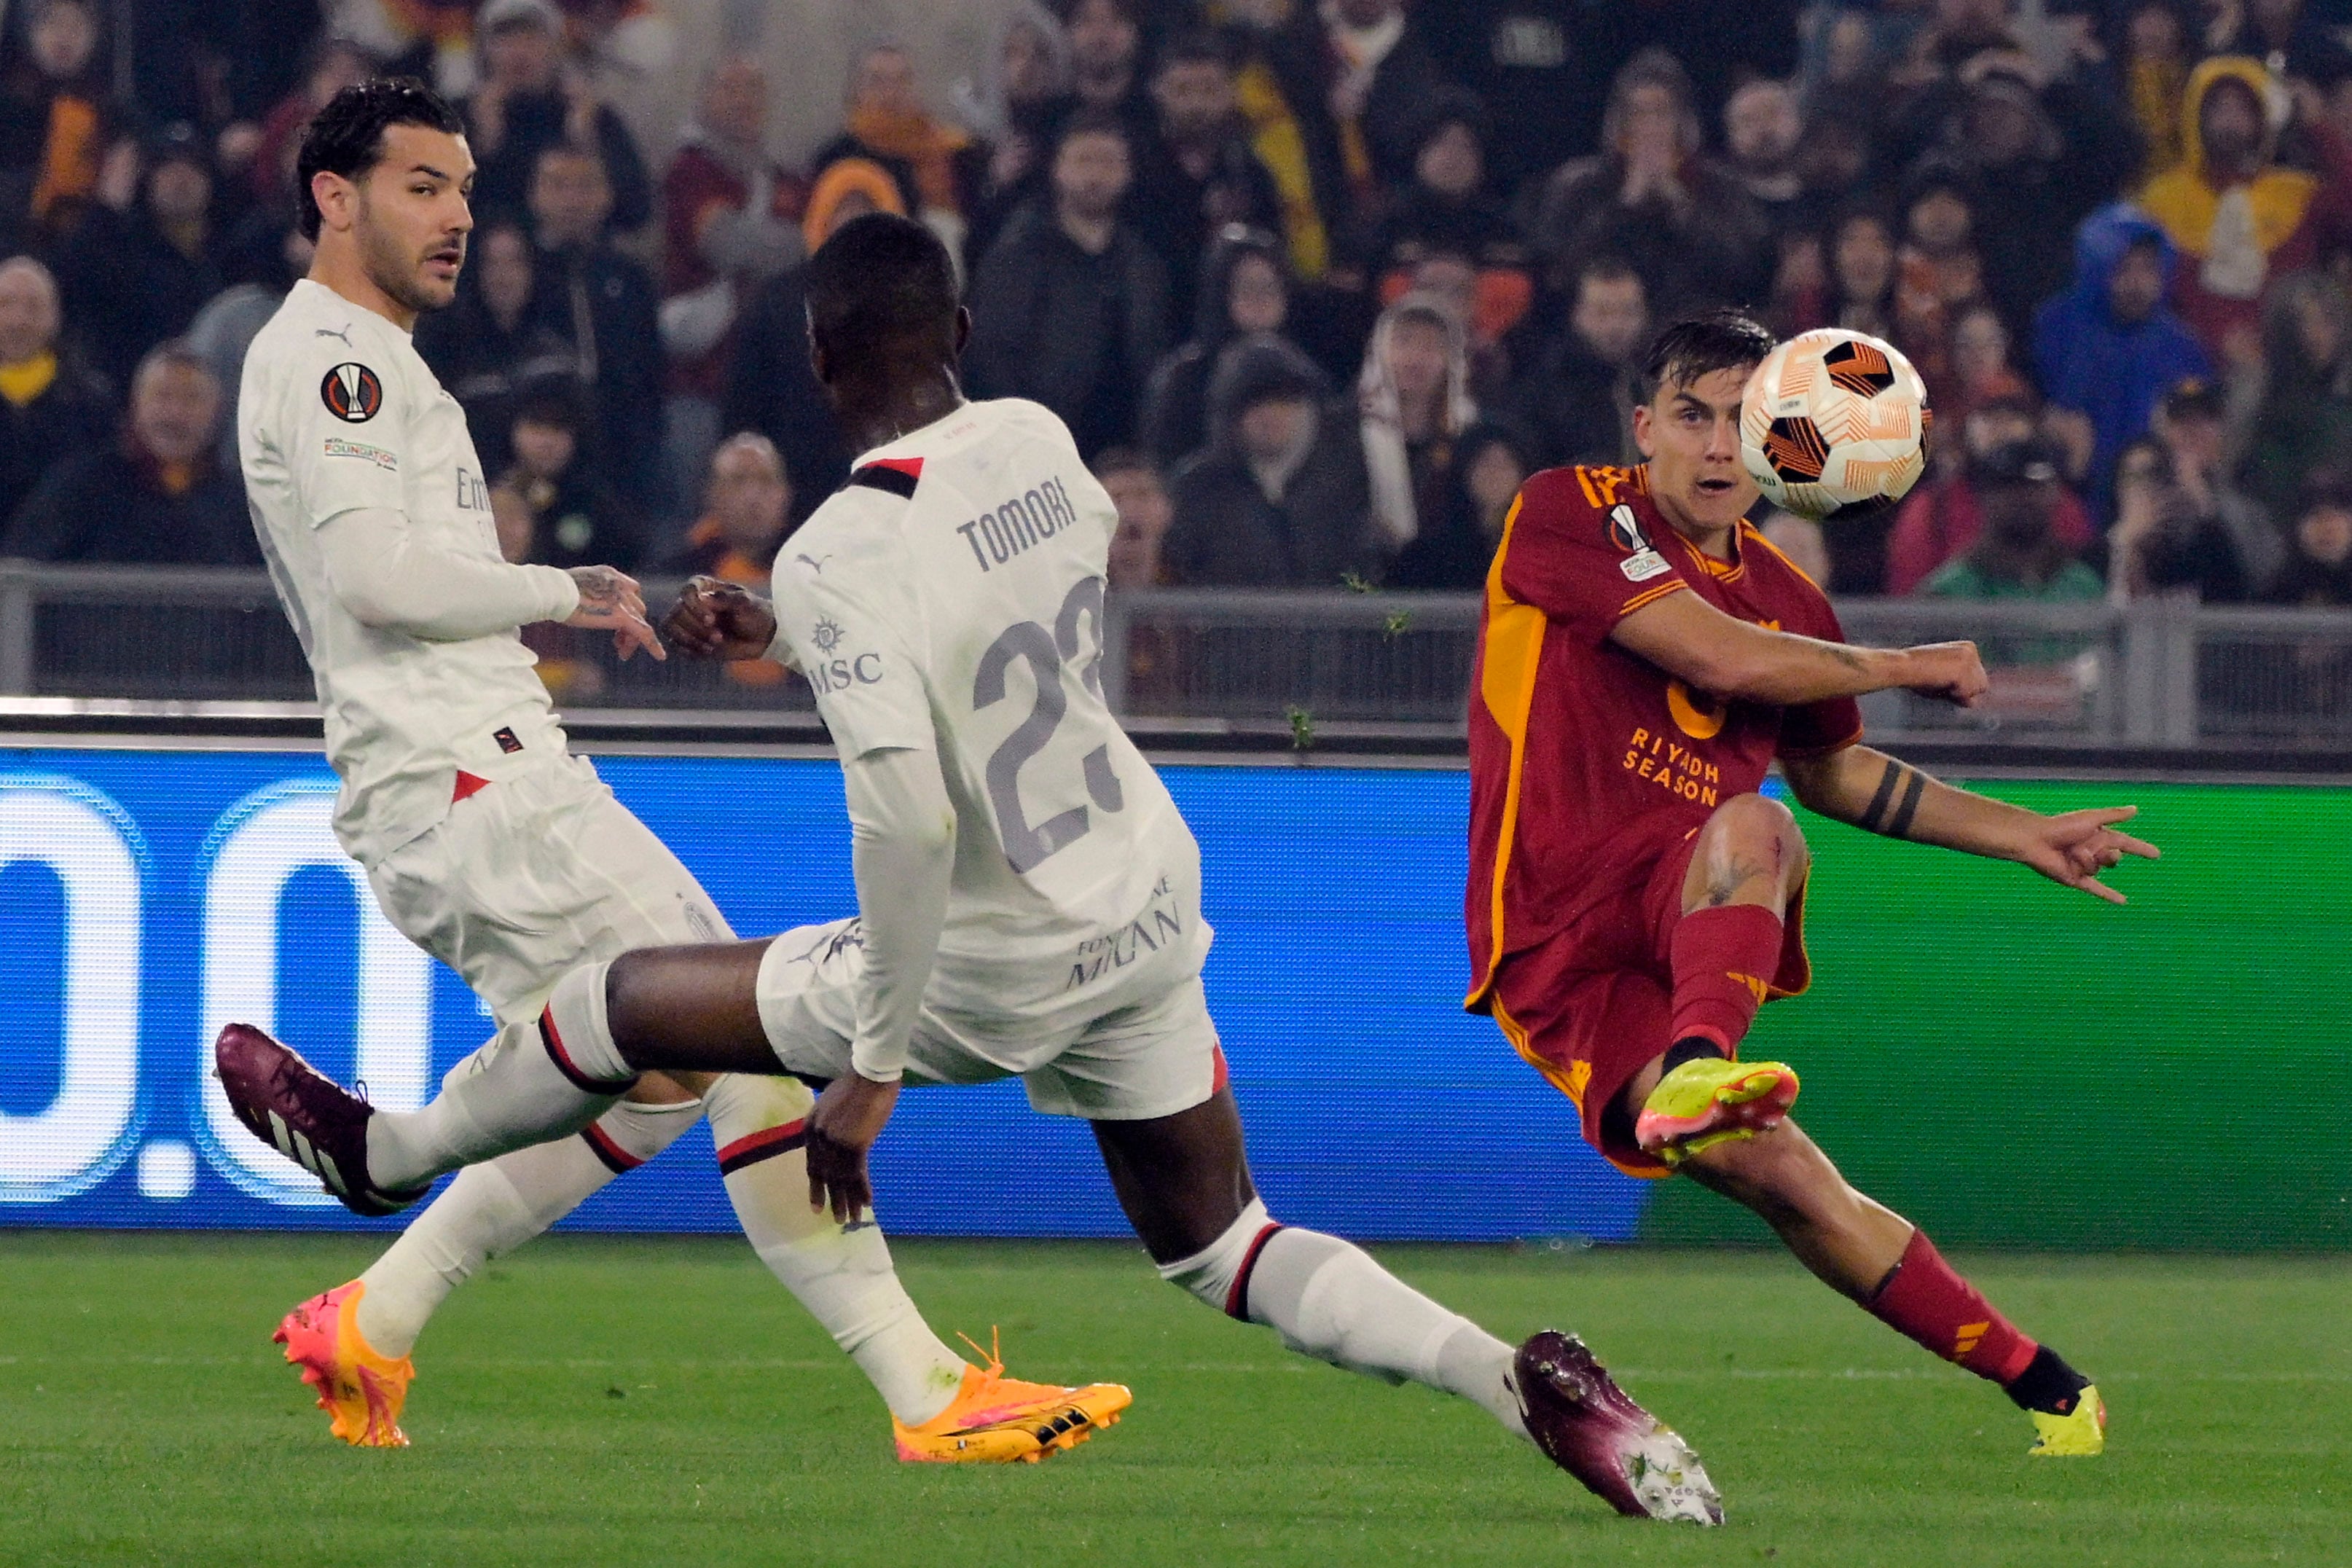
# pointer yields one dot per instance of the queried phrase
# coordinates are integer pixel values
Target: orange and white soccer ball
(1834, 424)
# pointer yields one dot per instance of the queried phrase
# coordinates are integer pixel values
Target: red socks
(1925, 1300)
(1724, 961)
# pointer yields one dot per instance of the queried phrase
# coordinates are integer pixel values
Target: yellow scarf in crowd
(27, 378)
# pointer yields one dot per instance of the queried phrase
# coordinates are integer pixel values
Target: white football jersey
(951, 597)
(337, 412)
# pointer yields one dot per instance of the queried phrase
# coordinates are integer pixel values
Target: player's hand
(715, 619)
(1946, 671)
(610, 602)
(2073, 847)
(849, 1116)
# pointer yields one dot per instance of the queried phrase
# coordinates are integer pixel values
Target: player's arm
(389, 578)
(1686, 636)
(1879, 794)
(902, 853)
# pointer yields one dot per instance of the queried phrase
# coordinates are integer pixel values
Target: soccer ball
(1834, 424)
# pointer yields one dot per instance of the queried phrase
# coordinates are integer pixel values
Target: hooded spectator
(770, 387)
(2318, 570)
(1491, 461)
(1279, 497)
(1414, 402)
(1942, 519)
(1689, 228)
(156, 497)
(730, 221)
(1576, 403)
(141, 263)
(1243, 291)
(2181, 524)
(2302, 422)
(530, 97)
(48, 404)
(941, 169)
(57, 120)
(2240, 219)
(606, 305)
(2108, 347)
(2019, 555)
(1070, 308)
(495, 339)
(1196, 173)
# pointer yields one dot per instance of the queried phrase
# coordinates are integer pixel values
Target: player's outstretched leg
(1184, 1182)
(1723, 1121)
(531, 1082)
(1888, 1265)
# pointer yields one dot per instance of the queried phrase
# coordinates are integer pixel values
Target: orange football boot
(360, 1388)
(999, 1420)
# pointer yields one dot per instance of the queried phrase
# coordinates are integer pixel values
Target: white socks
(533, 1081)
(491, 1209)
(1328, 1300)
(843, 1274)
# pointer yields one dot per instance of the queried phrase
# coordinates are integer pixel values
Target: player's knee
(1756, 820)
(1218, 1272)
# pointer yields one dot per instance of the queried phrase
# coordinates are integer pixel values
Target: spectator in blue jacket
(2108, 348)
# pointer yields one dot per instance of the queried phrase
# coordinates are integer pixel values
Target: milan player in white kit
(486, 842)
(1029, 897)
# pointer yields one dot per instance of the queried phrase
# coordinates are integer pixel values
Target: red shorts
(1592, 1005)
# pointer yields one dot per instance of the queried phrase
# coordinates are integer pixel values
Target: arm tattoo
(1887, 813)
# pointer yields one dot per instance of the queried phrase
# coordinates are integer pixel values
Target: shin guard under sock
(1724, 961)
(842, 1274)
(1923, 1300)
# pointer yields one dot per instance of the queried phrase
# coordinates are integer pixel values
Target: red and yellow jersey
(1572, 737)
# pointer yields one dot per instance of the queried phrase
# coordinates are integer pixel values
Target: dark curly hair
(346, 137)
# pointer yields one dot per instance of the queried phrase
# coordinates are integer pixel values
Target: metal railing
(2159, 674)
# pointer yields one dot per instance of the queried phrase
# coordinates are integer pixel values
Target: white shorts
(533, 876)
(1146, 1057)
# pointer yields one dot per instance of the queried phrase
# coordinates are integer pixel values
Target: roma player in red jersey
(1644, 656)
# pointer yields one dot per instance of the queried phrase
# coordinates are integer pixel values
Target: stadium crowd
(1315, 285)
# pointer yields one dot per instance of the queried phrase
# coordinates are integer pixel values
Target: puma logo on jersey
(1019, 525)
(344, 333)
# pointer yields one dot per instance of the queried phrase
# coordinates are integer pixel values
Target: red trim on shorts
(1237, 1299)
(468, 784)
(617, 1160)
(570, 1069)
(765, 1145)
(1224, 1078)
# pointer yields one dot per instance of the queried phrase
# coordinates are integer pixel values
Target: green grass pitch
(640, 1401)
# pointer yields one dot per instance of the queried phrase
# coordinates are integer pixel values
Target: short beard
(394, 273)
